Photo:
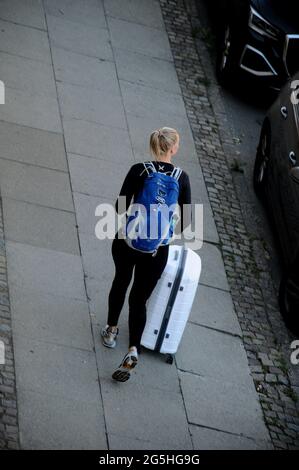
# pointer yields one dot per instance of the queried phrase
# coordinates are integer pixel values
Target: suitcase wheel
(169, 358)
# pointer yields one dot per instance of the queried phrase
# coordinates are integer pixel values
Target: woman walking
(164, 144)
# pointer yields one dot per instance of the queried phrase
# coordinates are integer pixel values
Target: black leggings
(148, 270)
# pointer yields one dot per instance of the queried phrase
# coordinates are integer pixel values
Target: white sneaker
(123, 372)
(109, 337)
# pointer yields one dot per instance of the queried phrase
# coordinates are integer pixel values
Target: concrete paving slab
(36, 185)
(198, 187)
(85, 207)
(29, 13)
(92, 41)
(210, 353)
(210, 233)
(31, 109)
(141, 127)
(28, 75)
(92, 105)
(97, 293)
(213, 272)
(121, 442)
(24, 41)
(143, 101)
(144, 12)
(203, 227)
(51, 423)
(27, 145)
(186, 153)
(90, 72)
(222, 405)
(96, 257)
(96, 177)
(89, 12)
(97, 140)
(135, 37)
(146, 70)
(51, 318)
(148, 414)
(40, 226)
(56, 370)
(218, 314)
(45, 271)
(210, 439)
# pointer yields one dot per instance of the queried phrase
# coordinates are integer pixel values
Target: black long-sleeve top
(134, 180)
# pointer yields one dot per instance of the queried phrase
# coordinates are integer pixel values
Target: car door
(288, 188)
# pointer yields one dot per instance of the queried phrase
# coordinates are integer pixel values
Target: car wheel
(224, 66)
(287, 306)
(261, 162)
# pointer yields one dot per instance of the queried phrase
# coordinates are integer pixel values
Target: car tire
(225, 63)
(261, 162)
(288, 311)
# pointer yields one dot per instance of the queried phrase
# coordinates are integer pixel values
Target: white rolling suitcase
(170, 304)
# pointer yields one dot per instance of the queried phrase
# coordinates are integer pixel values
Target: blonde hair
(162, 140)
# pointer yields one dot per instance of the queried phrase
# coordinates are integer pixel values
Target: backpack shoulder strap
(149, 167)
(176, 173)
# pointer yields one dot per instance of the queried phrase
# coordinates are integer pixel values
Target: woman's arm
(185, 202)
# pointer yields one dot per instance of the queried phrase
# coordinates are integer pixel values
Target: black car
(276, 179)
(259, 38)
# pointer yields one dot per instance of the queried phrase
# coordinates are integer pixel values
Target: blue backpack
(152, 216)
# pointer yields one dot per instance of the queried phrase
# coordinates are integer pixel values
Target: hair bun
(159, 146)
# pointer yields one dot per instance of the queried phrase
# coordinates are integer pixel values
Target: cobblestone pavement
(266, 339)
(9, 431)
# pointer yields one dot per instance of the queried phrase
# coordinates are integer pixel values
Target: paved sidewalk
(86, 82)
